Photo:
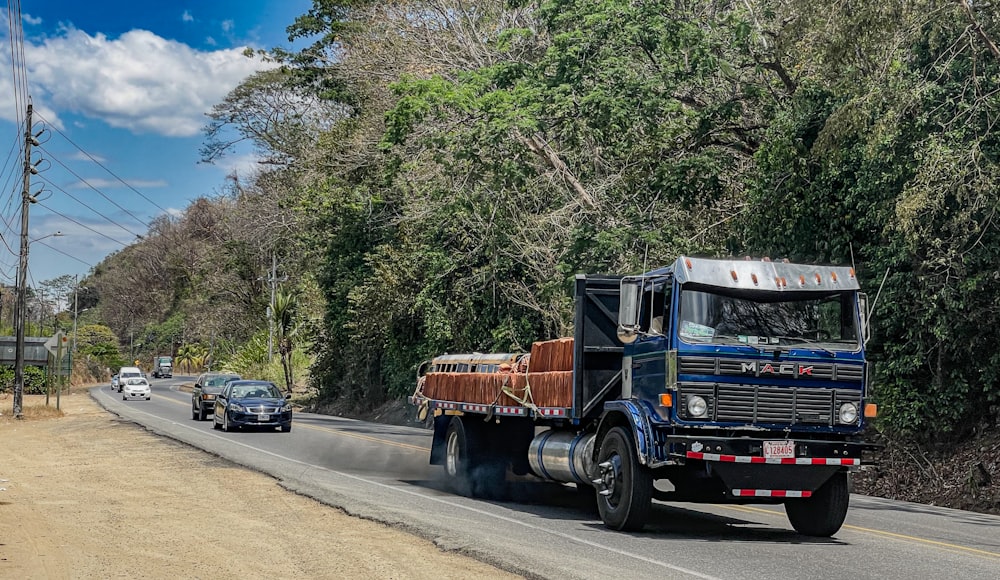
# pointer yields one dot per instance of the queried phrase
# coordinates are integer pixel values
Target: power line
(101, 193)
(102, 166)
(74, 198)
(54, 249)
(84, 226)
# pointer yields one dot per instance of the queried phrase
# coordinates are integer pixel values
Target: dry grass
(31, 409)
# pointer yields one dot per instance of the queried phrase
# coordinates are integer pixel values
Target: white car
(135, 387)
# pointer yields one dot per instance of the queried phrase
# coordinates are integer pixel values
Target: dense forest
(434, 173)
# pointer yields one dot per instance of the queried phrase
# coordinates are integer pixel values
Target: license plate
(779, 449)
(263, 418)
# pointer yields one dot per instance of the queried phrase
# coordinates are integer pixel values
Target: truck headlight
(848, 413)
(286, 408)
(697, 407)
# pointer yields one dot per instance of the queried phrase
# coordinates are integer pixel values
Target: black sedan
(247, 403)
(206, 389)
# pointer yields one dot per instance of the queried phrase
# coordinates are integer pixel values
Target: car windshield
(826, 320)
(258, 390)
(137, 381)
(218, 381)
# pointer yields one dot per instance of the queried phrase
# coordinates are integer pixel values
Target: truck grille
(753, 404)
(703, 365)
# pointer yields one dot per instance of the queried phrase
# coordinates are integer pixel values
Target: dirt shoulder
(86, 495)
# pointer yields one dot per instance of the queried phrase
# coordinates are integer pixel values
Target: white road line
(448, 503)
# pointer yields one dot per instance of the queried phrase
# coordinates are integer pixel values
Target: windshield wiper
(737, 342)
(815, 345)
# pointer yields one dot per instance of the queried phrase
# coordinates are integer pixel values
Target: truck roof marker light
(871, 410)
(666, 400)
(765, 259)
(851, 272)
(833, 276)
(754, 278)
(819, 279)
(733, 274)
(687, 262)
(802, 280)
(785, 261)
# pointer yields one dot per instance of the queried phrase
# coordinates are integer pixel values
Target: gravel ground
(86, 495)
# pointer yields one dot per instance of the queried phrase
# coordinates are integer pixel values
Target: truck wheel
(194, 414)
(626, 493)
(456, 458)
(822, 514)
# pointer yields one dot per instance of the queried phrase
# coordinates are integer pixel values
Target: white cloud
(186, 17)
(28, 19)
(102, 183)
(81, 156)
(138, 81)
(210, 41)
(242, 165)
(228, 25)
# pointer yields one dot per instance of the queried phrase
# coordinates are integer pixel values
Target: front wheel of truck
(625, 493)
(457, 468)
(822, 514)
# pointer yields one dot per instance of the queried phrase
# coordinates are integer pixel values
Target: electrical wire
(84, 226)
(55, 249)
(101, 193)
(102, 166)
(77, 200)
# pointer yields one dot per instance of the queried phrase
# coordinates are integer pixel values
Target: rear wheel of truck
(456, 457)
(626, 493)
(822, 514)
(470, 465)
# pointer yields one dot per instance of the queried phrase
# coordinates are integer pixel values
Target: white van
(128, 373)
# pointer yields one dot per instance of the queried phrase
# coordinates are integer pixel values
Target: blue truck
(719, 381)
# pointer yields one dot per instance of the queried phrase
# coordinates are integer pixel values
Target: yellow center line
(336, 432)
(904, 537)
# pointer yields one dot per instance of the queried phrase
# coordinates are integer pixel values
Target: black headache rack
(597, 352)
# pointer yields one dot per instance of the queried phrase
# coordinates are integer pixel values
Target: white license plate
(779, 449)
(263, 418)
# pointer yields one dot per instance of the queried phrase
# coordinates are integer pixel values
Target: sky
(120, 91)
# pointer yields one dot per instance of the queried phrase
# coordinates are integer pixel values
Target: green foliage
(34, 380)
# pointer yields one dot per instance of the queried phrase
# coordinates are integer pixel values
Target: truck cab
(741, 380)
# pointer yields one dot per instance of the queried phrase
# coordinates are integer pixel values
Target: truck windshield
(827, 321)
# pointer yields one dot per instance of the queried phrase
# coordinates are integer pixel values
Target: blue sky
(128, 84)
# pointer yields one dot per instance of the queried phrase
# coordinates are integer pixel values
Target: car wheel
(201, 413)
(286, 428)
(194, 414)
(124, 398)
(147, 398)
(215, 424)
(225, 422)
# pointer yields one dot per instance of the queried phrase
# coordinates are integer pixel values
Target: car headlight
(287, 407)
(697, 407)
(237, 408)
(848, 413)
(207, 397)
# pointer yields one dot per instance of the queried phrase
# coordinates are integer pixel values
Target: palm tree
(285, 305)
(188, 355)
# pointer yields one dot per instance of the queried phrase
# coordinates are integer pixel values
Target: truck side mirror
(628, 309)
(863, 311)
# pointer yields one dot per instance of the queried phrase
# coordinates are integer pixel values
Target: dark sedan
(206, 389)
(247, 403)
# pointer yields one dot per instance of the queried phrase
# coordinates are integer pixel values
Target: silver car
(136, 387)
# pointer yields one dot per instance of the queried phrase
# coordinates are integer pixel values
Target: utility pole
(270, 309)
(22, 270)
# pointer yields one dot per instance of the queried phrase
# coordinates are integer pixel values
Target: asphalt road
(381, 472)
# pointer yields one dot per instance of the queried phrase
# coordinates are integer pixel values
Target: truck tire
(456, 458)
(628, 485)
(471, 467)
(822, 514)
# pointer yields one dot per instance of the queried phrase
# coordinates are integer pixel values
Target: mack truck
(163, 366)
(710, 380)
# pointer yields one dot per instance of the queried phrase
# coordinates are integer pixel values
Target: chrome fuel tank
(562, 456)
